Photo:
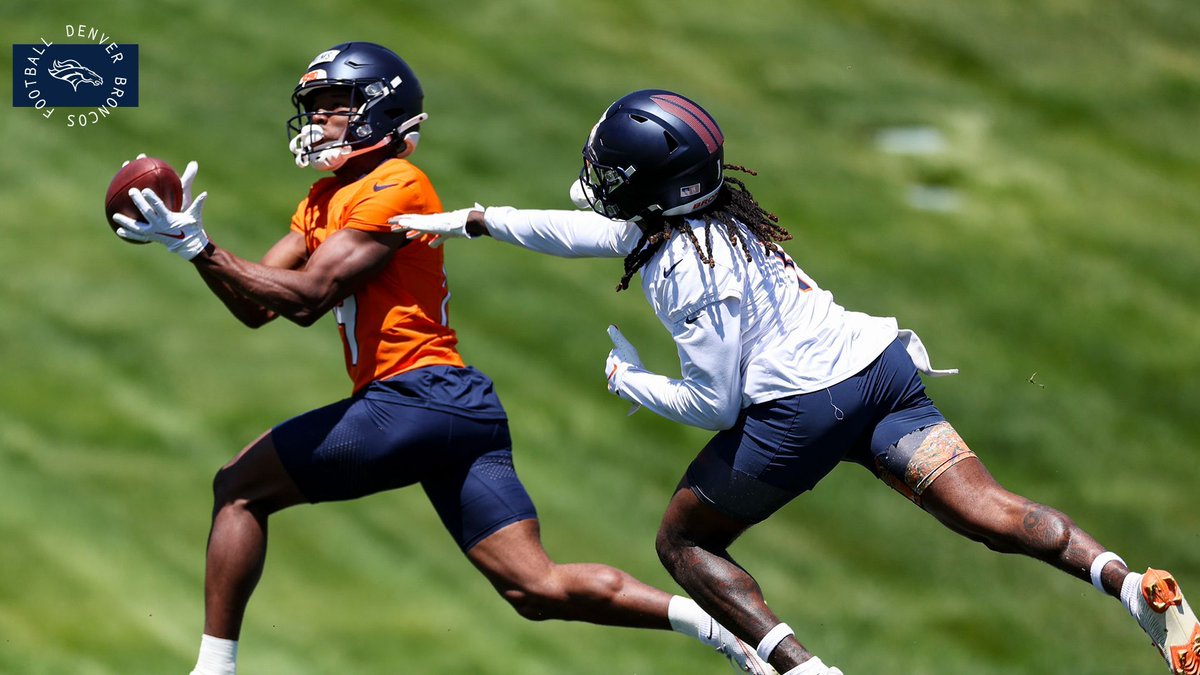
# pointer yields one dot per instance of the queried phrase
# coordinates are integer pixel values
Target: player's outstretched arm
(343, 263)
(567, 234)
(287, 253)
(463, 223)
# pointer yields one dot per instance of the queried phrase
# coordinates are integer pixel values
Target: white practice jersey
(746, 331)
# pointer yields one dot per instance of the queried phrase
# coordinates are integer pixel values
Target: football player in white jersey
(792, 382)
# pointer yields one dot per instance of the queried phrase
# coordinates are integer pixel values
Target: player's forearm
(567, 234)
(709, 393)
(275, 291)
(245, 310)
(691, 403)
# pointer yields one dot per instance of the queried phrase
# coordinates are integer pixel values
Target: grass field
(1072, 253)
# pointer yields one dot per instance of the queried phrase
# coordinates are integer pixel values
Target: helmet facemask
(601, 185)
(308, 142)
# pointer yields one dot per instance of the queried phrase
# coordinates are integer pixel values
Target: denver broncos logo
(74, 73)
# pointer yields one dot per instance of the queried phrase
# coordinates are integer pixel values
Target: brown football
(147, 172)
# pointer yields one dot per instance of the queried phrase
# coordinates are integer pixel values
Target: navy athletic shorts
(782, 448)
(442, 427)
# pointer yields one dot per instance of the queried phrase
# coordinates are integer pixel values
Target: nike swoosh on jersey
(667, 272)
(379, 187)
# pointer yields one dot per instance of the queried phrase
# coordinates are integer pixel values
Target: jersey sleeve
(708, 392)
(389, 195)
(297, 225)
(567, 234)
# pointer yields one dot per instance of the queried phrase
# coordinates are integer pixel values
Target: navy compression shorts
(442, 427)
(782, 448)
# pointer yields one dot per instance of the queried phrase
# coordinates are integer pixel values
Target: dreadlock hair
(734, 204)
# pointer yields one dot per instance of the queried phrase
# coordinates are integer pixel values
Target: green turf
(1071, 144)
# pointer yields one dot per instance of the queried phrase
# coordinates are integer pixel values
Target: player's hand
(621, 358)
(123, 233)
(182, 232)
(187, 179)
(449, 225)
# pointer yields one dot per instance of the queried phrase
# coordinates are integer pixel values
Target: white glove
(182, 232)
(621, 358)
(448, 225)
(187, 179)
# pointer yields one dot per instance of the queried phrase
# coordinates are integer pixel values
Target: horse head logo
(74, 73)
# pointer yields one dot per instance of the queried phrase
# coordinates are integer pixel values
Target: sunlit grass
(1072, 255)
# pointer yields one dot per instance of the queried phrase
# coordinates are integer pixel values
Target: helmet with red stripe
(653, 153)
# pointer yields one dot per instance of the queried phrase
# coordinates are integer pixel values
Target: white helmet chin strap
(331, 155)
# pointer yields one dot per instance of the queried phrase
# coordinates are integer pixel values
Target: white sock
(1131, 594)
(218, 656)
(686, 617)
(1135, 602)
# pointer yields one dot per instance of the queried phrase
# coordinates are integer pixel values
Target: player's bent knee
(669, 547)
(536, 602)
(1009, 523)
(671, 558)
(223, 486)
(566, 594)
(235, 488)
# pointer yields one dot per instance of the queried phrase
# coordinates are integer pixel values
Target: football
(146, 172)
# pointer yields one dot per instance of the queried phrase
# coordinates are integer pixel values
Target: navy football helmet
(386, 101)
(653, 153)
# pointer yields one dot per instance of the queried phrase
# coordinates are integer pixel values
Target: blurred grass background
(1070, 249)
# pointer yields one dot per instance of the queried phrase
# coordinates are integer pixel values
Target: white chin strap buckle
(304, 145)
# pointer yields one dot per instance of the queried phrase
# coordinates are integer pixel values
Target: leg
(485, 507)
(245, 492)
(966, 499)
(514, 561)
(693, 543)
(963, 495)
(776, 451)
(488, 512)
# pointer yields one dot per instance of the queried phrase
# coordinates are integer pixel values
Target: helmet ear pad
(407, 145)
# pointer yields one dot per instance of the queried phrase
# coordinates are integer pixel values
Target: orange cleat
(1171, 623)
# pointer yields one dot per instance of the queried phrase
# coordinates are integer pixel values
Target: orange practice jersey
(397, 321)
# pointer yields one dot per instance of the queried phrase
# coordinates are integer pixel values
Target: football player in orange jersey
(417, 413)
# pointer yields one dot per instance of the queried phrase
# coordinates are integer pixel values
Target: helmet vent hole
(638, 118)
(672, 144)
